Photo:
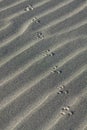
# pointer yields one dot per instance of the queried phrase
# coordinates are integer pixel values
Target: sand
(43, 64)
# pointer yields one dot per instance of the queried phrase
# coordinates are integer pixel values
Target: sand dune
(43, 65)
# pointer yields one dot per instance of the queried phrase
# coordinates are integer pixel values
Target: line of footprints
(35, 20)
(38, 34)
(41, 36)
(65, 110)
(61, 90)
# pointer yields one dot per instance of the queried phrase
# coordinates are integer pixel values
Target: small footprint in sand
(29, 7)
(52, 54)
(36, 20)
(55, 67)
(70, 113)
(39, 35)
(56, 71)
(66, 110)
(49, 53)
(61, 90)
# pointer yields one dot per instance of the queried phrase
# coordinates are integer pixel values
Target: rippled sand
(43, 64)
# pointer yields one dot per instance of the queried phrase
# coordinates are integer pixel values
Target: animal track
(36, 20)
(39, 35)
(62, 91)
(66, 111)
(56, 71)
(29, 7)
(49, 53)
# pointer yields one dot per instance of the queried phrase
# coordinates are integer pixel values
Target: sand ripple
(43, 65)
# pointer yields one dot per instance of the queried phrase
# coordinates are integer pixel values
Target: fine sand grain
(43, 64)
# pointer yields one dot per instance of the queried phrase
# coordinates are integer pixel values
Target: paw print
(61, 90)
(29, 8)
(49, 53)
(36, 20)
(40, 35)
(66, 111)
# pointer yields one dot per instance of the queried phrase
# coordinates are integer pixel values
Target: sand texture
(43, 64)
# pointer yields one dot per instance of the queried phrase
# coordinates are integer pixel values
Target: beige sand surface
(43, 64)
